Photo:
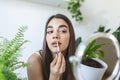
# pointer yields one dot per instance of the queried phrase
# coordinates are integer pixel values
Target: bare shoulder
(34, 58)
(34, 69)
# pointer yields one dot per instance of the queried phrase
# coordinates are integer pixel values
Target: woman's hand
(57, 67)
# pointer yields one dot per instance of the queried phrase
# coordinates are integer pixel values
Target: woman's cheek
(65, 43)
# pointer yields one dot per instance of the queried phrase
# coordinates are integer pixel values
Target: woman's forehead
(57, 22)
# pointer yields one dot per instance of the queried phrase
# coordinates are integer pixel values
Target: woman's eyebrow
(60, 26)
(63, 26)
(49, 26)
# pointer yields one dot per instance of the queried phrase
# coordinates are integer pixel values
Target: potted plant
(86, 63)
(87, 54)
(90, 52)
(92, 67)
(9, 53)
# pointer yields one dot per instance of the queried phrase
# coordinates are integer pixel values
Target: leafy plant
(77, 42)
(74, 8)
(92, 49)
(102, 29)
(9, 53)
(116, 33)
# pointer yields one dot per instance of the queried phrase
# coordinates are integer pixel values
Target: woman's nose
(56, 35)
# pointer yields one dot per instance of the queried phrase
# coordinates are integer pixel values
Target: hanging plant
(74, 8)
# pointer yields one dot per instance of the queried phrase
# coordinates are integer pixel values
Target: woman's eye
(49, 32)
(62, 31)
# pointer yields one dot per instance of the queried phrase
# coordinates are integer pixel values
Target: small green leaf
(107, 31)
(101, 53)
(92, 49)
(93, 56)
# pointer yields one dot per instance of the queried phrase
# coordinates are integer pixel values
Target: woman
(52, 63)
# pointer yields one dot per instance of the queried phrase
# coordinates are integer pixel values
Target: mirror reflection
(111, 56)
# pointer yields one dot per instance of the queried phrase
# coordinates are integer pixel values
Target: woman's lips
(54, 44)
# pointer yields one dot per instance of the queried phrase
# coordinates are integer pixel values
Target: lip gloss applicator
(58, 49)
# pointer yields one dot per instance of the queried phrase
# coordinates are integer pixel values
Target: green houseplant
(102, 29)
(91, 65)
(114, 42)
(92, 51)
(90, 54)
(116, 33)
(86, 61)
(92, 47)
(9, 53)
(74, 8)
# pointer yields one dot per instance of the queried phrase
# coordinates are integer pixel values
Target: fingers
(63, 65)
(59, 61)
(58, 65)
(54, 60)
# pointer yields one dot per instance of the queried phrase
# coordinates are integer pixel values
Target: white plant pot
(84, 72)
(91, 73)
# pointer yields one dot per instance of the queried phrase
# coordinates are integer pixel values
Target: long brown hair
(47, 57)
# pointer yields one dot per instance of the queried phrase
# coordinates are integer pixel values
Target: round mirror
(111, 56)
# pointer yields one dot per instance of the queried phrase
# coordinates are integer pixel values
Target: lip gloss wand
(58, 49)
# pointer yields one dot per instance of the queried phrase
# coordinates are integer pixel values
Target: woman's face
(57, 31)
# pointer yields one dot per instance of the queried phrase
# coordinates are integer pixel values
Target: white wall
(14, 13)
(98, 12)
